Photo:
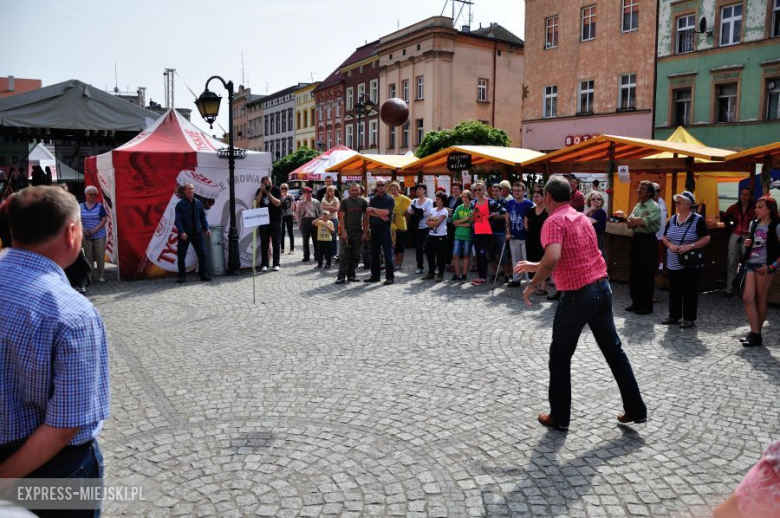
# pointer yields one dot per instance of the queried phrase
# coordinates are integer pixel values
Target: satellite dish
(703, 24)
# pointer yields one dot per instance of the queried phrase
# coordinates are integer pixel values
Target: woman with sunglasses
(93, 219)
(762, 261)
(287, 216)
(594, 210)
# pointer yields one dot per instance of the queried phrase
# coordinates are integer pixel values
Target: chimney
(11, 84)
(465, 29)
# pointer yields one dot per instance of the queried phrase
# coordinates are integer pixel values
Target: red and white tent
(140, 182)
(315, 168)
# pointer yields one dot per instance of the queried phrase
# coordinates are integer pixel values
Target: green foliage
(290, 163)
(466, 133)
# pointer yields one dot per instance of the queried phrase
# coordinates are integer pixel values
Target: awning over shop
(355, 164)
(480, 156)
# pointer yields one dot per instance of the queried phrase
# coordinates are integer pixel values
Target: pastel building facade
(305, 117)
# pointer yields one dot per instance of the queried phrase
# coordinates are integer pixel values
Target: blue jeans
(381, 242)
(591, 305)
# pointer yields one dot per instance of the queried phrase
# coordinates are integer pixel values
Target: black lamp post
(362, 108)
(208, 106)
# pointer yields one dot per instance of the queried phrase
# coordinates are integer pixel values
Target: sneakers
(464, 277)
(455, 278)
(101, 279)
(479, 281)
(418, 270)
(439, 278)
(264, 269)
(340, 280)
(276, 268)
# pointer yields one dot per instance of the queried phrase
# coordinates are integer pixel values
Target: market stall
(366, 167)
(628, 161)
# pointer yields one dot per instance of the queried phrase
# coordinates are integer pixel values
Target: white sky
(283, 41)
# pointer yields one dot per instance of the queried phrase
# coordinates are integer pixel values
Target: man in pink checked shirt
(572, 256)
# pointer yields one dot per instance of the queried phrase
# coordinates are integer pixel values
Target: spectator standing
(436, 247)
(645, 220)
(738, 218)
(93, 220)
(322, 191)
(353, 229)
(287, 217)
(571, 256)
(686, 231)
(481, 209)
(268, 196)
(191, 224)
(463, 246)
(594, 210)
(577, 198)
(307, 210)
(764, 245)
(420, 209)
(453, 202)
(516, 210)
(49, 179)
(18, 179)
(380, 217)
(399, 226)
(534, 220)
(325, 231)
(331, 203)
(498, 225)
(38, 176)
(54, 376)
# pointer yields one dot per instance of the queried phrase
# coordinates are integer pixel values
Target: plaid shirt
(581, 262)
(53, 352)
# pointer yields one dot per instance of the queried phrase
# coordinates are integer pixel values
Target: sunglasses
(380, 185)
(477, 190)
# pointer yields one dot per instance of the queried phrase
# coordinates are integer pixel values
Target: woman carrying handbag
(685, 235)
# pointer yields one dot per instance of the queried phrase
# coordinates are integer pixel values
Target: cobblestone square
(417, 399)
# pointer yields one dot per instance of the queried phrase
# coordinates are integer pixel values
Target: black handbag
(738, 284)
(692, 258)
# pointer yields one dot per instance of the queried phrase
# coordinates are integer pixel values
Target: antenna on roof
(456, 17)
(116, 80)
(243, 79)
(311, 76)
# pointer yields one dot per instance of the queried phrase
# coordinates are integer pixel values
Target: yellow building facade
(305, 123)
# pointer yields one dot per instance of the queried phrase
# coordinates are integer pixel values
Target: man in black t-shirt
(380, 212)
(269, 197)
(323, 190)
(353, 228)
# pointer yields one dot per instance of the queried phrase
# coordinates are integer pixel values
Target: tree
(464, 134)
(290, 163)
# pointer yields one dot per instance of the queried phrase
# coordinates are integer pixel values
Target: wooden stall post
(766, 174)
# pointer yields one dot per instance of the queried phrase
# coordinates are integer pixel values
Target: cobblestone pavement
(416, 399)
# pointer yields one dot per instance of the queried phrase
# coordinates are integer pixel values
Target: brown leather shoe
(546, 420)
(625, 419)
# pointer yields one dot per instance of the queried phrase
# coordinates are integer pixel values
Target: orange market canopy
(356, 164)
(480, 156)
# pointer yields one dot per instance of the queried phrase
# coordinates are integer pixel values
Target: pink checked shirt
(581, 262)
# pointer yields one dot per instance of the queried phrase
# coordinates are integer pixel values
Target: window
(391, 91)
(773, 99)
(350, 101)
(290, 121)
(298, 120)
(630, 15)
(278, 122)
(338, 110)
(682, 107)
(482, 90)
(361, 92)
(405, 135)
(551, 32)
(550, 101)
(420, 87)
(338, 137)
(284, 122)
(627, 99)
(730, 25)
(306, 118)
(391, 138)
(330, 140)
(405, 90)
(774, 30)
(374, 95)
(588, 23)
(361, 135)
(420, 133)
(330, 113)
(685, 33)
(373, 133)
(586, 97)
(726, 103)
(265, 144)
(350, 142)
(265, 120)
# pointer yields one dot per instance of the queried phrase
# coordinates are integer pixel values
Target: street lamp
(362, 108)
(208, 106)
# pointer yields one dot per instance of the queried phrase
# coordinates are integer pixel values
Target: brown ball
(394, 112)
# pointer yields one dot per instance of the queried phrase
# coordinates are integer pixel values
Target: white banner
(255, 217)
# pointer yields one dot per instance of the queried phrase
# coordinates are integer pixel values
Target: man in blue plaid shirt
(54, 392)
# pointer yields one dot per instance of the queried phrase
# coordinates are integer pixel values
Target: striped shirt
(676, 234)
(53, 352)
(90, 218)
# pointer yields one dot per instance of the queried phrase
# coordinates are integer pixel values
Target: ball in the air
(394, 112)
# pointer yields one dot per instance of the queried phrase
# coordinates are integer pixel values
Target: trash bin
(215, 252)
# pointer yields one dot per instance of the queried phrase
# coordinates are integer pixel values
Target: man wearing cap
(572, 256)
(380, 211)
(307, 210)
(191, 223)
(645, 220)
